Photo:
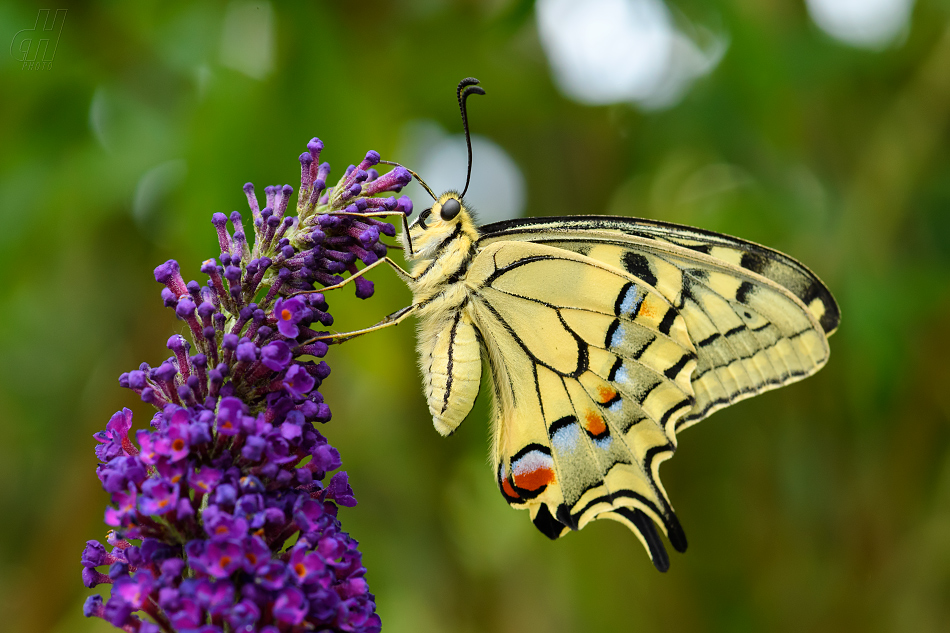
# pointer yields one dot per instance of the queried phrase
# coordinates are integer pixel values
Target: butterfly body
(449, 352)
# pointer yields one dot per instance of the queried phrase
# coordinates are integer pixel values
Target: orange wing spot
(606, 393)
(534, 479)
(506, 487)
(594, 423)
(647, 309)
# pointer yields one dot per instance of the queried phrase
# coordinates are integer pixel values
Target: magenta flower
(223, 558)
(204, 479)
(276, 355)
(230, 468)
(288, 314)
(298, 381)
(124, 513)
(158, 497)
(291, 606)
(306, 566)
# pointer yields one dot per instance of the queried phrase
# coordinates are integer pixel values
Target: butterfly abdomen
(451, 366)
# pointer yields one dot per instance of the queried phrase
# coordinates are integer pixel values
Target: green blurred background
(821, 506)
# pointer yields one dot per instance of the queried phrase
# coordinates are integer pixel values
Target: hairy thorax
(438, 281)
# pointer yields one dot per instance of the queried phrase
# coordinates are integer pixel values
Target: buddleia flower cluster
(221, 513)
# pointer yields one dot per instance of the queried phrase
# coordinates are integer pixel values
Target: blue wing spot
(628, 301)
(565, 438)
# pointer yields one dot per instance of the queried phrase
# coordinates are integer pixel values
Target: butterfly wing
(591, 370)
(578, 233)
(759, 319)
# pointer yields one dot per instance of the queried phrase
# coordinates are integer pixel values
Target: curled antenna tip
(466, 87)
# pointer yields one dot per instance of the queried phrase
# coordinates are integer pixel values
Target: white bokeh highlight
(497, 189)
(247, 38)
(613, 51)
(862, 23)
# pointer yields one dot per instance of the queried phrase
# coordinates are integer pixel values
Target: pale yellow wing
(591, 372)
(758, 318)
(578, 233)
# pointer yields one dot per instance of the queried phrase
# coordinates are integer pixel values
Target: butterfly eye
(450, 209)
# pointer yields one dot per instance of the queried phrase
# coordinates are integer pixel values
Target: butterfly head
(436, 227)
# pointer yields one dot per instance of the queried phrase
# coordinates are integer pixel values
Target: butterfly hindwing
(592, 371)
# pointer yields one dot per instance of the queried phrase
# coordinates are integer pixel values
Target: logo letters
(34, 48)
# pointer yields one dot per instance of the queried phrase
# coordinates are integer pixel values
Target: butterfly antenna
(467, 86)
(414, 175)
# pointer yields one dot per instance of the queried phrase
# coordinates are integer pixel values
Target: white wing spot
(604, 442)
(565, 438)
(621, 375)
(616, 339)
(531, 462)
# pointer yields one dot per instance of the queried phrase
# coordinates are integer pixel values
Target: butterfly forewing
(583, 233)
(751, 332)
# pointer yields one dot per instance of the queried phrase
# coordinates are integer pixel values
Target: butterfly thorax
(441, 253)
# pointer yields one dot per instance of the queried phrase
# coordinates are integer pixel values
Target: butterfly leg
(393, 319)
(406, 277)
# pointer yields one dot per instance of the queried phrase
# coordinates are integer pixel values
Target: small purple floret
(288, 314)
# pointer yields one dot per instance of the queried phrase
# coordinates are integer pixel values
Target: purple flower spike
(256, 554)
(273, 575)
(92, 578)
(364, 288)
(230, 468)
(247, 352)
(178, 445)
(204, 480)
(134, 590)
(251, 200)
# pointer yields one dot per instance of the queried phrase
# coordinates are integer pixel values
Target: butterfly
(605, 337)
